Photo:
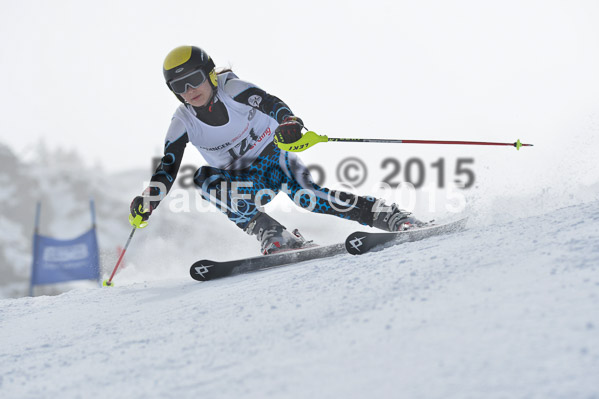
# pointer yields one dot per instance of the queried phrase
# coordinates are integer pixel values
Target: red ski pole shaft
(516, 144)
(108, 282)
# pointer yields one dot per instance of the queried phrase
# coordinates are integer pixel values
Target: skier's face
(199, 96)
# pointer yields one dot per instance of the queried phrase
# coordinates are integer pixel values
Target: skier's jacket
(230, 132)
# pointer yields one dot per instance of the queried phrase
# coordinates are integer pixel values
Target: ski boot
(273, 236)
(391, 218)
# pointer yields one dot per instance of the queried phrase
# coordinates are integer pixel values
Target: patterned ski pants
(241, 193)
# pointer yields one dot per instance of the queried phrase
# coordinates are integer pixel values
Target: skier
(235, 126)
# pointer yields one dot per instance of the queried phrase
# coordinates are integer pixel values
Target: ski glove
(140, 215)
(289, 131)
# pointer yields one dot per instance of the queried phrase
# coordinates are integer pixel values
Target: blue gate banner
(57, 261)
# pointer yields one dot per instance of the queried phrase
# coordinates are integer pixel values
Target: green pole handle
(309, 139)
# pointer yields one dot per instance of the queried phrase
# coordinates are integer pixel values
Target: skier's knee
(202, 174)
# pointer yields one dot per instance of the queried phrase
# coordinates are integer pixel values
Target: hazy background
(87, 75)
(85, 107)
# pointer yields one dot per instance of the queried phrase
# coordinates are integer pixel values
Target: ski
(205, 270)
(359, 243)
(356, 243)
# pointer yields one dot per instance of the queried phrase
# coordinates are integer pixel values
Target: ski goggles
(194, 80)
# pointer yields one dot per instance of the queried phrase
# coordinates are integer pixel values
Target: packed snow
(506, 310)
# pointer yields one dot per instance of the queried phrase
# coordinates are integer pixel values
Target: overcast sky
(87, 75)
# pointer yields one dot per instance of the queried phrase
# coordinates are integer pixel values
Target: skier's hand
(139, 213)
(289, 131)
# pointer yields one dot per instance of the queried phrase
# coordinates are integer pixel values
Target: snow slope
(507, 310)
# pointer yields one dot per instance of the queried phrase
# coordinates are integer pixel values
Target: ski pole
(108, 283)
(310, 139)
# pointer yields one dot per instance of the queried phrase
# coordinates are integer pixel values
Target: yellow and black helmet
(184, 61)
